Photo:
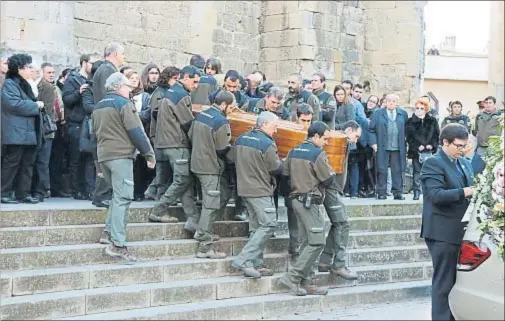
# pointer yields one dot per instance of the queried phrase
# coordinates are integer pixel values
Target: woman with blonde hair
(422, 134)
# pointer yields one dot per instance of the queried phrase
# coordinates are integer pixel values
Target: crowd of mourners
(108, 133)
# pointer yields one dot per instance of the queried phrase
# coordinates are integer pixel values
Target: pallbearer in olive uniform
(326, 100)
(272, 102)
(163, 179)
(304, 117)
(298, 95)
(200, 96)
(232, 85)
(333, 257)
(257, 163)
(174, 119)
(119, 133)
(309, 173)
(210, 135)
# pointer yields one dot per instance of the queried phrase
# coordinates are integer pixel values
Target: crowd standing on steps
(110, 134)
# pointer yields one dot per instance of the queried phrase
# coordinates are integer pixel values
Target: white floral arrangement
(490, 193)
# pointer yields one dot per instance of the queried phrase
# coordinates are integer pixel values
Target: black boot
(417, 193)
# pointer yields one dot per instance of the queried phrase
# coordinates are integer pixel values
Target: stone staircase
(53, 268)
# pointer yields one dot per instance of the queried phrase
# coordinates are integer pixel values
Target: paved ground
(410, 310)
(68, 203)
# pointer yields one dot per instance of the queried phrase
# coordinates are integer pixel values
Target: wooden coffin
(288, 136)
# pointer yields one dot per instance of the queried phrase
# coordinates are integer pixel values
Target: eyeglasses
(460, 146)
(420, 108)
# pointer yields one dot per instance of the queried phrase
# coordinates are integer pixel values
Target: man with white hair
(272, 102)
(254, 81)
(4, 57)
(257, 163)
(119, 133)
(387, 139)
(34, 81)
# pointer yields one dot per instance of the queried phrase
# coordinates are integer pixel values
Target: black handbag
(48, 123)
(87, 141)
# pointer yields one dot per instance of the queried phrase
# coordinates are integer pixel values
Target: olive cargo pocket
(181, 167)
(316, 229)
(211, 200)
(316, 236)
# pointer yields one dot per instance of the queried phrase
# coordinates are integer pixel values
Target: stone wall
(377, 41)
(496, 51)
(161, 31)
(393, 55)
(42, 28)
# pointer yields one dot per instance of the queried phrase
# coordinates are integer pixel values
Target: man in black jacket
(446, 179)
(114, 58)
(74, 115)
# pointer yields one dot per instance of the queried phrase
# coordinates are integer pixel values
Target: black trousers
(103, 190)
(17, 169)
(76, 161)
(394, 161)
(416, 174)
(58, 165)
(445, 259)
(142, 176)
(81, 165)
(41, 181)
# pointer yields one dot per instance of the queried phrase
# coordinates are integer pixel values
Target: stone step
(272, 305)
(105, 275)
(136, 296)
(32, 236)
(85, 214)
(67, 255)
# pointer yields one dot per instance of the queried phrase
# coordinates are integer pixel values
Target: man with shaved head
(298, 95)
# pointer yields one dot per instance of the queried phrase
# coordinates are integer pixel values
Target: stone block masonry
(378, 41)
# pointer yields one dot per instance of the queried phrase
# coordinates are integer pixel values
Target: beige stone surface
(343, 39)
(496, 51)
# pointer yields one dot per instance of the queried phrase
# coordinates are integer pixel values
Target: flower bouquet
(490, 192)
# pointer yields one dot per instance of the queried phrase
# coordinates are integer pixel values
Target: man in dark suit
(446, 179)
(386, 136)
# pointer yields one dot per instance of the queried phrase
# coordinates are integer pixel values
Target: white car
(479, 290)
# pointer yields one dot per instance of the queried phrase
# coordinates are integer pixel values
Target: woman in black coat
(21, 131)
(422, 134)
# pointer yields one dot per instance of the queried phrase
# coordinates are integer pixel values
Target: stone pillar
(393, 59)
(496, 51)
(42, 29)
